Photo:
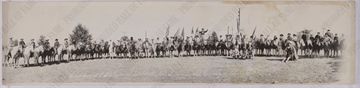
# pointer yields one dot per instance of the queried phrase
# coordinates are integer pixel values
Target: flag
(182, 33)
(192, 30)
(167, 31)
(177, 33)
(228, 30)
(238, 26)
(145, 34)
(253, 33)
(238, 22)
(197, 31)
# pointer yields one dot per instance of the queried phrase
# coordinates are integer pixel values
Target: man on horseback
(146, 47)
(65, 49)
(47, 44)
(296, 41)
(132, 49)
(22, 44)
(11, 45)
(221, 46)
(158, 47)
(328, 33)
(281, 44)
(261, 45)
(56, 46)
(188, 46)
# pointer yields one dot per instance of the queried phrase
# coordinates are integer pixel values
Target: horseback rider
(317, 36)
(32, 43)
(152, 48)
(281, 44)
(47, 44)
(22, 43)
(66, 43)
(132, 47)
(158, 46)
(221, 45)
(262, 44)
(146, 45)
(188, 45)
(289, 37)
(56, 45)
(12, 44)
(139, 47)
(328, 33)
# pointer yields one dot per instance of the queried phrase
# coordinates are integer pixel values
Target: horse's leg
(25, 59)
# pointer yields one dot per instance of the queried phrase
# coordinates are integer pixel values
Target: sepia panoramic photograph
(227, 42)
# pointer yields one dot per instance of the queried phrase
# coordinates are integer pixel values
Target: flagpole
(228, 30)
(145, 34)
(238, 26)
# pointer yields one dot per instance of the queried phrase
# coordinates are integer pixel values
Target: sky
(111, 20)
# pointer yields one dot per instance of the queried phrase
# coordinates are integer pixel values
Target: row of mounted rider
(240, 46)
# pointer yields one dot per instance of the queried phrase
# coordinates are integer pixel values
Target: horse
(281, 46)
(171, 47)
(48, 54)
(249, 50)
(302, 46)
(89, 51)
(211, 44)
(111, 49)
(117, 49)
(132, 49)
(158, 49)
(13, 55)
(197, 45)
(335, 47)
(106, 50)
(124, 49)
(236, 53)
(152, 50)
(308, 46)
(139, 50)
(179, 46)
(32, 52)
(260, 46)
(229, 46)
(146, 48)
(188, 47)
(221, 47)
(274, 47)
(71, 50)
(267, 47)
(316, 47)
(327, 46)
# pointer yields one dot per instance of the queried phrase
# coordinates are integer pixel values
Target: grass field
(206, 69)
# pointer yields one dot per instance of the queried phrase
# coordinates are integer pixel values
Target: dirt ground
(206, 69)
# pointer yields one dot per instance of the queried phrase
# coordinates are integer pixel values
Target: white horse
(28, 53)
(61, 51)
(111, 49)
(70, 49)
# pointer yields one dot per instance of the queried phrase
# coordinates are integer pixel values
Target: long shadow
(274, 59)
(33, 65)
(236, 58)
